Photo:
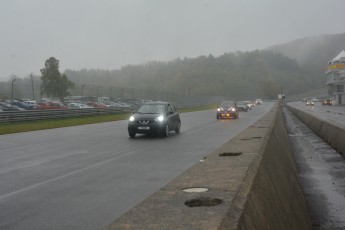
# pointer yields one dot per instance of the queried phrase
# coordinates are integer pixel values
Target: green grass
(27, 126)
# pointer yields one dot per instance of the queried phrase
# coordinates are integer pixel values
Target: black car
(242, 106)
(157, 118)
(227, 109)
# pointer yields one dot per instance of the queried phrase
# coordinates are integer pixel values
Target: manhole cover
(195, 190)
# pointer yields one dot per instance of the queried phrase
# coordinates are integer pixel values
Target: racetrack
(84, 177)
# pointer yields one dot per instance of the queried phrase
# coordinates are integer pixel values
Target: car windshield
(152, 108)
(240, 103)
(226, 104)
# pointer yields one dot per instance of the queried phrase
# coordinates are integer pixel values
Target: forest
(235, 75)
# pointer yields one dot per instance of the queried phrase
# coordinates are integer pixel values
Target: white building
(336, 78)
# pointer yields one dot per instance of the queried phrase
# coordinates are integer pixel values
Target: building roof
(339, 57)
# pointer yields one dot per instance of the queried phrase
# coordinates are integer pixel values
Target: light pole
(41, 91)
(97, 92)
(32, 86)
(110, 92)
(82, 92)
(12, 91)
(122, 90)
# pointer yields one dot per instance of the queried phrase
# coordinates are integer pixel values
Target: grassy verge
(26, 126)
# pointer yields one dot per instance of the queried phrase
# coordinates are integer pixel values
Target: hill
(237, 75)
(313, 53)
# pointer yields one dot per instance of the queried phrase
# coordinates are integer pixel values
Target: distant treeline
(236, 75)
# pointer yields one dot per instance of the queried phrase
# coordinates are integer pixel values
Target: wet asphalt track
(85, 177)
(321, 169)
(328, 113)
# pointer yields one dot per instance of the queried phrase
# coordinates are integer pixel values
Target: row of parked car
(22, 105)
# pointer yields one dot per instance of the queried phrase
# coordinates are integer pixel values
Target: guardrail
(32, 115)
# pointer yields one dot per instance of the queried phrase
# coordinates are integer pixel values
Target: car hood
(226, 108)
(149, 116)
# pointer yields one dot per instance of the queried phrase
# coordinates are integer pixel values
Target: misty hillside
(297, 67)
(313, 52)
(240, 75)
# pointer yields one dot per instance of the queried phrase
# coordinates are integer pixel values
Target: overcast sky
(108, 34)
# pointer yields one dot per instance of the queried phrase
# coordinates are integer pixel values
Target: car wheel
(131, 134)
(166, 131)
(178, 128)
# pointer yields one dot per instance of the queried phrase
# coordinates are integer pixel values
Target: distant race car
(242, 106)
(227, 109)
(258, 102)
(327, 102)
(309, 103)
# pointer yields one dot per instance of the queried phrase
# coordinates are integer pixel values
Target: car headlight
(233, 109)
(219, 109)
(131, 118)
(160, 118)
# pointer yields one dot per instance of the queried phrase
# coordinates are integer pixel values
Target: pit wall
(251, 183)
(331, 132)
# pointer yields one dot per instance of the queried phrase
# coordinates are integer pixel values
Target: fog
(108, 34)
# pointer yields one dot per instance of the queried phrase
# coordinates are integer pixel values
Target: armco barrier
(250, 182)
(32, 115)
(333, 133)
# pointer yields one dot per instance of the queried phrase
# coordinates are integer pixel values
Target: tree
(53, 83)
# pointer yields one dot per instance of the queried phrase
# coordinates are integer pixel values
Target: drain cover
(229, 154)
(203, 202)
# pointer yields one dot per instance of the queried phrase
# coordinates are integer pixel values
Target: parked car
(309, 103)
(51, 105)
(242, 106)
(32, 104)
(227, 109)
(24, 105)
(95, 105)
(327, 102)
(6, 106)
(154, 118)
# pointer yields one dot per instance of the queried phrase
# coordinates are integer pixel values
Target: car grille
(144, 122)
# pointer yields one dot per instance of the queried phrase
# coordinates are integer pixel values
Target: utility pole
(12, 91)
(82, 92)
(97, 92)
(33, 89)
(110, 97)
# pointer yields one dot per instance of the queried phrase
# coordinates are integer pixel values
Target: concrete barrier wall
(251, 183)
(332, 133)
